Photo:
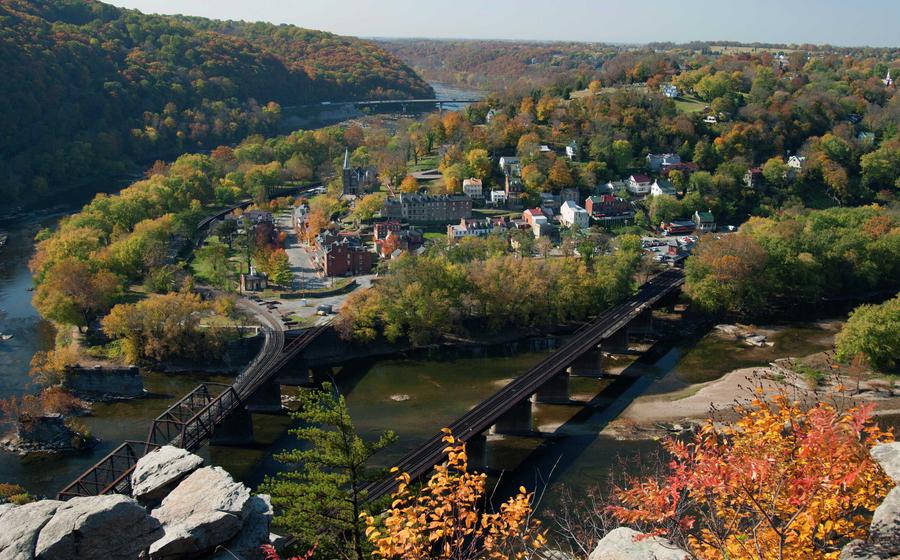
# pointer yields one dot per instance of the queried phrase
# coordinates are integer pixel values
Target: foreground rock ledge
(158, 472)
(627, 544)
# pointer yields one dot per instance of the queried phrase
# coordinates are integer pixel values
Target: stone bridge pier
(554, 391)
(643, 323)
(616, 343)
(516, 421)
(266, 399)
(589, 364)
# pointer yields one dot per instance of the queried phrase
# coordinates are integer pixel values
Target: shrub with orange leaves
(783, 482)
(442, 520)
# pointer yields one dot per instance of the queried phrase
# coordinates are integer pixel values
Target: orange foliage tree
(442, 520)
(782, 482)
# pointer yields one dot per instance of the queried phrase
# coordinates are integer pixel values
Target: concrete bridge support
(266, 399)
(589, 364)
(516, 421)
(237, 429)
(643, 323)
(294, 374)
(617, 343)
(476, 451)
(554, 391)
(318, 375)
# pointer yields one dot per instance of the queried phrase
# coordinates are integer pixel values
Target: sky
(837, 22)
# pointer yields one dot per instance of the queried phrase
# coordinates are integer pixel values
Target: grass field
(689, 104)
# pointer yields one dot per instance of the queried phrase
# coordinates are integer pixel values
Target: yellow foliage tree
(442, 520)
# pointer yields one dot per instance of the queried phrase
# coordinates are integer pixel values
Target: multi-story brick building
(423, 208)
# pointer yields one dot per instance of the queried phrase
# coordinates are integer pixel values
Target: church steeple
(346, 158)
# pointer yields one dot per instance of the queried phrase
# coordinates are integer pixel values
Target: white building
(572, 214)
(662, 187)
(796, 162)
(639, 184)
(498, 198)
(572, 150)
(669, 91)
(473, 189)
(540, 225)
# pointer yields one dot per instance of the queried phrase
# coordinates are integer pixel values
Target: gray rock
(858, 550)
(109, 527)
(888, 456)
(620, 544)
(253, 534)
(207, 509)
(20, 526)
(159, 472)
(886, 521)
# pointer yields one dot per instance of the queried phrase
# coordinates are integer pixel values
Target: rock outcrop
(627, 544)
(20, 526)
(204, 511)
(888, 456)
(112, 527)
(157, 473)
(884, 532)
(207, 509)
(47, 434)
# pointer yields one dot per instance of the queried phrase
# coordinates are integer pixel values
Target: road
(307, 276)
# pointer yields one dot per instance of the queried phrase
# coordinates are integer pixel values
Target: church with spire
(358, 181)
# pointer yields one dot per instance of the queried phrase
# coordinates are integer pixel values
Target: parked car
(324, 309)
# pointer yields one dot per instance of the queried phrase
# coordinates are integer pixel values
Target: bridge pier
(643, 323)
(294, 374)
(554, 391)
(318, 375)
(476, 451)
(266, 399)
(515, 421)
(617, 343)
(237, 429)
(589, 364)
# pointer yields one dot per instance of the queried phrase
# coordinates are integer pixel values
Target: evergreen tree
(320, 503)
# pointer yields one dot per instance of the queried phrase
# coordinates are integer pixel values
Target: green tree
(621, 155)
(763, 85)
(874, 332)
(321, 502)
(775, 171)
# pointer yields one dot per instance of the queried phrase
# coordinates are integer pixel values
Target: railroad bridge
(220, 414)
(509, 410)
(213, 412)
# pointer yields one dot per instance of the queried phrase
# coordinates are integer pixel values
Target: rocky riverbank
(179, 509)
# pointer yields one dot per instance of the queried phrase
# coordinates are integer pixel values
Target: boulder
(159, 472)
(20, 526)
(625, 544)
(111, 527)
(888, 456)
(253, 534)
(207, 509)
(885, 528)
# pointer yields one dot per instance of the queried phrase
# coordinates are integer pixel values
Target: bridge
(404, 103)
(508, 411)
(211, 412)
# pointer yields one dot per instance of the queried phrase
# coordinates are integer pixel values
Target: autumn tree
(279, 268)
(409, 184)
(727, 274)
(783, 481)
(73, 294)
(872, 331)
(365, 208)
(478, 162)
(321, 503)
(162, 327)
(560, 175)
(445, 520)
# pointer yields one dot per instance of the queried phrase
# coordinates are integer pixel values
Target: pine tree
(320, 503)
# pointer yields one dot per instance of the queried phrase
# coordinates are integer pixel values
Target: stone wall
(105, 382)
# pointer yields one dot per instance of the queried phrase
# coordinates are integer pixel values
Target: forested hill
(89, 88)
